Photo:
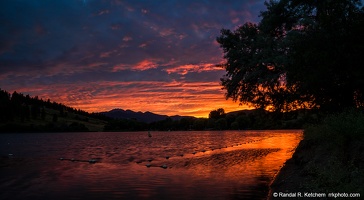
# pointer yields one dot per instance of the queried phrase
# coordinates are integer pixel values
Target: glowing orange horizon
(167, 98)
(183, 109)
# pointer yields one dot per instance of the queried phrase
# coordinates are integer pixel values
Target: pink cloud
(241, 16)
(144, 11)
(235, 20)
(182, 36)
(96, 64)
(143, 45)
(166, 32)
(127, 38)
(107, 54)
(140, 66)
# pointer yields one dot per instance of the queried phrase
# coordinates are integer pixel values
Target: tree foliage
(217, 114)
(302, 54)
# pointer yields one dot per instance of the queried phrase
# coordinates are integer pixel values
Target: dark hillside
(22, 113)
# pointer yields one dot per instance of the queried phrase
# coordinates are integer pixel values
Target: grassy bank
(330, 158)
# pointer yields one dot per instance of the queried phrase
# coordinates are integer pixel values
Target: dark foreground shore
(327, 164)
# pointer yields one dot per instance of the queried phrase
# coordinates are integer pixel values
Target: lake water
(131, 165)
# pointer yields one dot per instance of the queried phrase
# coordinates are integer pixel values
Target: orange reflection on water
(260, 156)
(243, 168)
(239, 166)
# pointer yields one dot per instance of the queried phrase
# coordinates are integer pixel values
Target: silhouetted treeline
(219, 120)
(125, 125)
(22, 113)
(26, 107)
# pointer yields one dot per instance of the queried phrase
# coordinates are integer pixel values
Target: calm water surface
(200, 165)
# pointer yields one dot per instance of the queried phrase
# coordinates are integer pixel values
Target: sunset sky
(97, 55)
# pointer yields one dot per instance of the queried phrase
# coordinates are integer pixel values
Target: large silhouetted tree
(301, 54)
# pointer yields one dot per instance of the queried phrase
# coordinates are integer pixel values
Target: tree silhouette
(55, 118)
(217, 114)
(303, 54)
(5, 106)
(221, 124)
(243, 122)
(43, 114)
(35, 111)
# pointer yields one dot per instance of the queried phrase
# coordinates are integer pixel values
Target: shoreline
(284, 181)
(319, 168)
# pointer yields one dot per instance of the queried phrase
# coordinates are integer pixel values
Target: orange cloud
(184, 69)
(144, 65)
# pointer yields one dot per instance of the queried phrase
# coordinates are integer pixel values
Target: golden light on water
(209, 165)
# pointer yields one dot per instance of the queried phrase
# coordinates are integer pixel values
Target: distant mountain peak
(147, 117)
(115, 110)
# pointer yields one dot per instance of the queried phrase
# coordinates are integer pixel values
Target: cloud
(143, 45)
(144, 65)
(185, 69)
(116, 50)
(166, 32)
(127, 38)
(144, 11)
(140, 66)
(106, 54)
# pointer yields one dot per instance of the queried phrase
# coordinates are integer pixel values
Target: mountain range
(147, 117)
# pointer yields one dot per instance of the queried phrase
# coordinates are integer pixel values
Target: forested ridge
(23, 113)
